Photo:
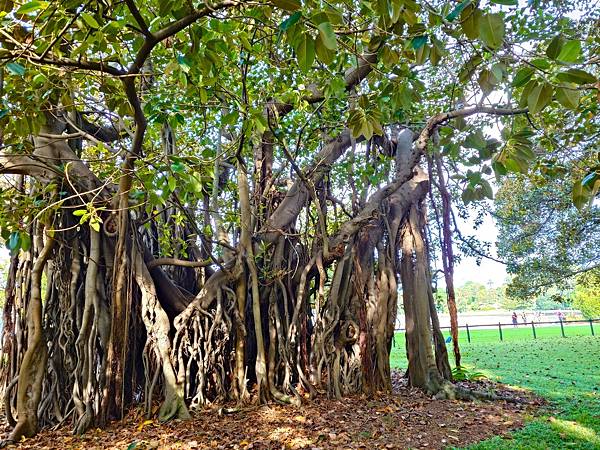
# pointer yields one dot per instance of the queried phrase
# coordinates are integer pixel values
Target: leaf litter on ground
(408, 418)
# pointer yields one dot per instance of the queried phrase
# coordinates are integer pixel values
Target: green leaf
(540, 63)
(172, 183)
(499, 71)
(577, 76)
(359, 124)
(14, 242)
(25, 241)
(327, 35)
(15, 68)
(491, 30)
(579, 195)
(499, 168)
(457, 10)
(487, 80)
(291, 20)
(367, 130)
(506, 2)
(487, 189)
(184, 63)
(39, 79)
(336, 87)
(4, 112)
(434, 55)
(468, 195)
(469, 68)
(437, 51)
(469, 21)
(570, 53)
(325, 55)
(95, 225)
(30, 7)
(305, 52)
(569, 98)
(79, 212)
(475, 140)
(515, 165)
(90, 20)
(421, 55)
(554, 47)
(230, 118)
(418, 42)
(288, 5)
(389, 57)
(178, 167)
(523, 152)
(526, 90)
(539, 97)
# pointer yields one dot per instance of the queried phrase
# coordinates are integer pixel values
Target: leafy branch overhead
(225, 199)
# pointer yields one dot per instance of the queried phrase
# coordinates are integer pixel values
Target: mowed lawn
(566, 371)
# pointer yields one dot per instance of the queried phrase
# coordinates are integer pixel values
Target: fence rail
(532, 325)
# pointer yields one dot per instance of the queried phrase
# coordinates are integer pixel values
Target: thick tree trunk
(290, 313)
(423, 371)
(158, 328)
(33, 365)
(9, 337)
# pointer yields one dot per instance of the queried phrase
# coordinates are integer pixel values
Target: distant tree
(440, 300)
(474, 296)
(587, 294)
(543, 237)
(555, 297)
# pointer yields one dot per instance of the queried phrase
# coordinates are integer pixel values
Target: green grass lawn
(566, 371)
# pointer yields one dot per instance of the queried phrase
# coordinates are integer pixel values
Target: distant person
(515, 320)
(561, 316)
(524, 316)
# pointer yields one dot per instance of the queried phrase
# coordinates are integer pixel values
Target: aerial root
(449, 391)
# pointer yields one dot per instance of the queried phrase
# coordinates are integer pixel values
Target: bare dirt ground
(406, 419)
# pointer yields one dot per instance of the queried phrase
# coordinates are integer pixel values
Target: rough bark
(33, 365)
(158, 327)
(289, 312)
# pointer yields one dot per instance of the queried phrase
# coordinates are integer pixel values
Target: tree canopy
(542, 236)
(225, 196)
(587, 294)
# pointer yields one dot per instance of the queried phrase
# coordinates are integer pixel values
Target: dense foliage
(226, 196)
(543, 237)
(587, 294)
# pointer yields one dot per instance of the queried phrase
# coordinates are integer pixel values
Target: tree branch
(177, 262)
(135, 12)
(152, 39)
(296, 197)
(352, 78)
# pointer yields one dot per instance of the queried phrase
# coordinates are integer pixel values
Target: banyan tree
(224, 201)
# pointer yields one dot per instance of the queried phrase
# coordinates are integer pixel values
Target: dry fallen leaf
(405, 419)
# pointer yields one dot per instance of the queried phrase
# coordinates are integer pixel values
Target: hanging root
(462, 393)
(158, 326)
(31, 374)
(200, 348)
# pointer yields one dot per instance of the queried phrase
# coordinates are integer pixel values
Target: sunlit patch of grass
(575, 430)
(566, 371)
